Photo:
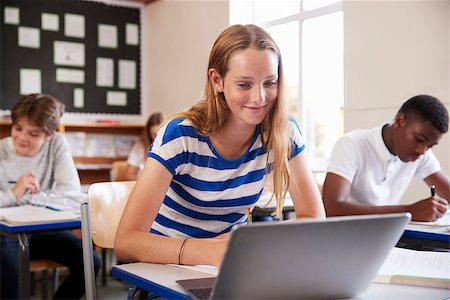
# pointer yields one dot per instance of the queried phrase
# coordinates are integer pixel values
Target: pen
(249, 216)
(433, 190)
(52, 208)
(12, 181)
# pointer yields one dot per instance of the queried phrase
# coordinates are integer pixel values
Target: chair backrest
(99, 220)
(118, 170)
(106, 202)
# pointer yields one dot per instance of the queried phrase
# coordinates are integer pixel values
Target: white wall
(393, 51)
(178, 38)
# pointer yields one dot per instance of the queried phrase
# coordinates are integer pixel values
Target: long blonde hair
(211, 113)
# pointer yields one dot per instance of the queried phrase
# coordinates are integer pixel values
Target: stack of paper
(411, 267)
(28, 214)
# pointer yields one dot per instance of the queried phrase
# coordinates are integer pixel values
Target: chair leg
(55, 280)
(105, 265)
(44, 284)
(32, 283)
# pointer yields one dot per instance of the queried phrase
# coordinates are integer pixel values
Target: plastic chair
(118, 170)
(99, 220)
(43, 266)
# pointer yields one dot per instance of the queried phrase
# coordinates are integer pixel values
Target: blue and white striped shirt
(208, 194)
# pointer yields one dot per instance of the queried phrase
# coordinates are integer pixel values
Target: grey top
(53, 166)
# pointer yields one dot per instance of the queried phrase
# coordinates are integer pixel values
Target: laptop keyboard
(201, 293)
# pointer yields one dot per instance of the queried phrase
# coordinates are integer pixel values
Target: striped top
(208, 194)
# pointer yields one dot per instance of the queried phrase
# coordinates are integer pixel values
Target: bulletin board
(85, 53)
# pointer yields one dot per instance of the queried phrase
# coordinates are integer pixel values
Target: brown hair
(212, 113)
(41, 110)
(154, 119)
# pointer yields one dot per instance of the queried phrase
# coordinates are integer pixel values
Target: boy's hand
(28, 182)
(428, 210)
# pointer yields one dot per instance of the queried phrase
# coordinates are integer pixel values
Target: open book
(28, 214)
(411, 267)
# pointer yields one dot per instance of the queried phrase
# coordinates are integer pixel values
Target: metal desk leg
(24, 266)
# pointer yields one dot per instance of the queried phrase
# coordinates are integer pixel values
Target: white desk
(20, 231)
(161, 279)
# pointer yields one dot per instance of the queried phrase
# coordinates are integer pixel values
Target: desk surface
(41, 226)
(161, 279)
(19, 231)
(27, 218)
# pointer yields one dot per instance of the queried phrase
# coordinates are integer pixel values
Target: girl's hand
(28, 182)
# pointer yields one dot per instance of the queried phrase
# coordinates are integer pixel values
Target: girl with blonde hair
(208, 165)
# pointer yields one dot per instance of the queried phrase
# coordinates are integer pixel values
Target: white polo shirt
(377, 176)
(137, 156)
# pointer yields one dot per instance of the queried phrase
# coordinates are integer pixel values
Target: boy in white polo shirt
(370, 169)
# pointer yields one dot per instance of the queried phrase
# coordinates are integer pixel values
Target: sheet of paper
(114, 98)
(78, 97)
(29, 37)
(444, 221)
(68, 53)
(107, 36)
(50, 22)
(55, 201)
(30, 81)
(74, 25)
(11, 15)
(105, 72)
(34, 214)
(127, 74)
(408, 262)
(69, 75)
(132, 34)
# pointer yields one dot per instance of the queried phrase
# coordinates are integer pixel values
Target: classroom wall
(393, 51)
(179, 37)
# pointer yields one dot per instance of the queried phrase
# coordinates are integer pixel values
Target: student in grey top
(35, 158)
(51, 169)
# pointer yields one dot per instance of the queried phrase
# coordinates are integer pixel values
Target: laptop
(337, 257)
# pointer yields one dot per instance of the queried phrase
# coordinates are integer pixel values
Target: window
(310, 37)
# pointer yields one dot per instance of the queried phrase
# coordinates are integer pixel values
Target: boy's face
(413, 137)
(27, 138)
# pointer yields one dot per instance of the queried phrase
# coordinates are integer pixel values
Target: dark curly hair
(427, 108)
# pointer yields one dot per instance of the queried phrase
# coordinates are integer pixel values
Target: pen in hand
(433, 190)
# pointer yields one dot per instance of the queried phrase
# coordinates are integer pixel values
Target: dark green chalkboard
(15, 57)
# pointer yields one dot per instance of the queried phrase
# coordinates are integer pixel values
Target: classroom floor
(114, 289)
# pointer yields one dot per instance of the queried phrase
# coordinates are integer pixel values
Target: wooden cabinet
(91, 168)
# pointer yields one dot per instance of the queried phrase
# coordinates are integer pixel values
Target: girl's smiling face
(250, 86)
(28, 139)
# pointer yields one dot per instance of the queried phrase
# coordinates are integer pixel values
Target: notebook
(28, 214)
(333, 258)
